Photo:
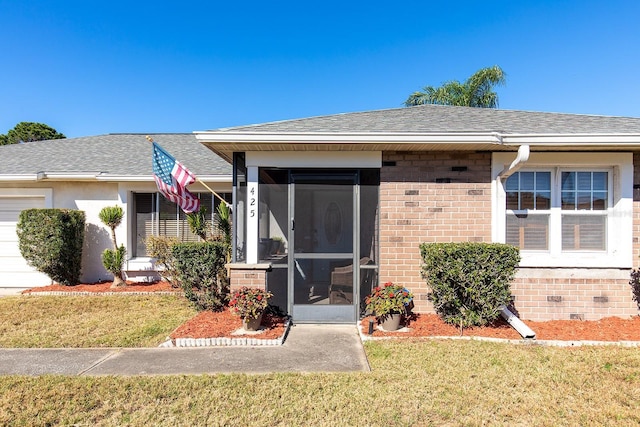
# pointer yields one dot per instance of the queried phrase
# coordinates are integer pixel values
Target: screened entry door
(323, 232)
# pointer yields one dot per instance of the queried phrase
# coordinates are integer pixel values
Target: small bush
(469, 281)
(113, 259)
(199, 267)
(249, 303)
(388, 299)
(635, 286)
(161, 248)
(51, 241)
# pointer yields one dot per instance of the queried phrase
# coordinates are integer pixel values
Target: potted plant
(250, 304)
(389, 303)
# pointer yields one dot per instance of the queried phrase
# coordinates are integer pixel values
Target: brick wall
(247, 275)
(430, 197)
(446, 197)
(565, 293)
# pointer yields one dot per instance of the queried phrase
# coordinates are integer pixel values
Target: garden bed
(105, 287)
(607, 329)
(223, 324)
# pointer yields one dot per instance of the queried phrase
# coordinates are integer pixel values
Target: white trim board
(315, 159)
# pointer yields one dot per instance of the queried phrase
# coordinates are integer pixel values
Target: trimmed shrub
(51, 241)
(160, 248)
(199, 266)
(469, 281)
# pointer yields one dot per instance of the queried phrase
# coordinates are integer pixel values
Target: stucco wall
(89, 197)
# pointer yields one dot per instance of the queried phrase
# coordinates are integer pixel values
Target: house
(90, 173)
(326, 207)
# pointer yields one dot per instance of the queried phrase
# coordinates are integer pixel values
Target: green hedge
(51, 241)
(469, 281)
(200, 268)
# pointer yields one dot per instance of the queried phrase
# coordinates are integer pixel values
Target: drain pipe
(517, 324)
(520, 160)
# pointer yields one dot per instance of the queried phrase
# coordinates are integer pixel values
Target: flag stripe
(172, 179)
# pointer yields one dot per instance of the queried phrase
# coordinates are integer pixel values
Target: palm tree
(198, 222)
(113, 259)
(477, 91)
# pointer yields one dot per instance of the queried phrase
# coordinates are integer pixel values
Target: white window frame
(619, 243)
(156, 198)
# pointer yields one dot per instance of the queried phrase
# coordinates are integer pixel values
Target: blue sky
(88, 68)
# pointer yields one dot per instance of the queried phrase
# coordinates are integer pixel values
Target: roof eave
(101, 177)
(18, 177)
(602, 140)
(347, 137)
(223, 143)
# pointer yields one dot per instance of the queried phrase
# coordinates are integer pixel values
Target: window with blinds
(585, 197)
(156, 216)
(574, 203)
(528, 209)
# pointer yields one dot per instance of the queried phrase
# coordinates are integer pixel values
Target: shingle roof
(112, 154)
(438, 118)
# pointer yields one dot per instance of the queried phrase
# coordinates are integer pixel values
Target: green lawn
(100, 321)
(411, 383)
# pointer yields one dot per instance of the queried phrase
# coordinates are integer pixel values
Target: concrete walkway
(308, 348)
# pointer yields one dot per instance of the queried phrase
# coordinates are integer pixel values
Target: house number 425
(252, 201)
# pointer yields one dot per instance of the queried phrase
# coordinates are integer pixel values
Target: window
(528, 209)
(156, 216)
(532, 202)
(585, 199)
(566, 209)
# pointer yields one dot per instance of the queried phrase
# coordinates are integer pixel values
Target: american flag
(172, 179)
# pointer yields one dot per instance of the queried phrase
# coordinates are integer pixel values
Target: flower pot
(390, 322)
(250, 324)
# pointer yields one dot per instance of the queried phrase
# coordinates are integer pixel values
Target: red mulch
(222, 324)
(607, 329)
(430, 325)
(100, 287)
(208, 324)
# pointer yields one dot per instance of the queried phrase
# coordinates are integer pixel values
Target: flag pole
(199, 180)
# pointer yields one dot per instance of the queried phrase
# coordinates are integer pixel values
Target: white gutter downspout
(517, 324)
(520, 160)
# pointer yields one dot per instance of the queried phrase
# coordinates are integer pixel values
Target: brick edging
(227, 342)
(88, 293)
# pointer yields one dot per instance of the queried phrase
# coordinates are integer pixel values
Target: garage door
(14, 270)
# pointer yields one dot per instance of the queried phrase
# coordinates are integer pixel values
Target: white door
(14, 270)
